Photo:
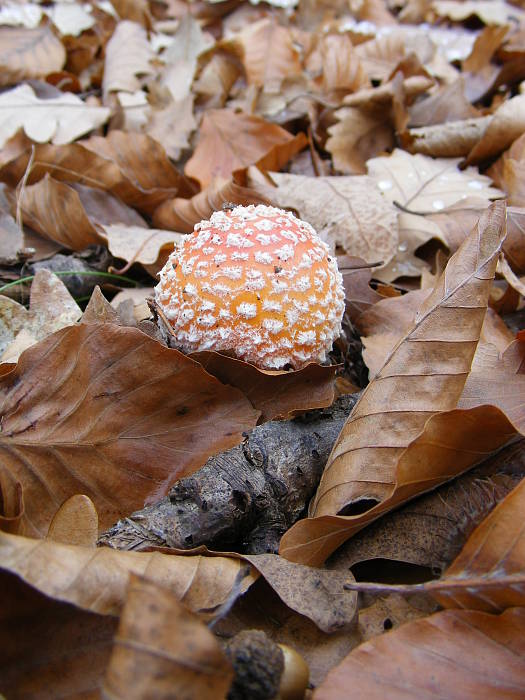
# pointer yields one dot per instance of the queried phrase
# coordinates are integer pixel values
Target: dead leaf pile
(397, 130)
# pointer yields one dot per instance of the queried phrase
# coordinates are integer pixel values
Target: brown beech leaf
(29, 53)
(424, 375)
(58, 119)
(106, 411)
(489, 572)
(278, 395)
(162, 650)
(515, 244)
(217, 78)
(143, 188)
(51, 307)
(447, 104)
(96, 579)
(424, 184)
(449, 140)
(509, 172)
(128, 56)
(506, 125)
(359, 295)
(230, 141)
(75, 522)
(268, 54)
(338, 64)
(182, 214)
(455, 654)
(138, 244)
(360, 134)
(42, 637)
(69, 215)
(347, 212)
(380, 56)
(173, 125)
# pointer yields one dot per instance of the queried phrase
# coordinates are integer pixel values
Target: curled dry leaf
(128, 56)
(139, 244)
(173, 125)
(347, 212)
(58, 119)
(340, 69)
(450, 140)
(163, 650)
(480, 655)
(29, 53)
(51, 307)
(96, 579)
(424, 375)
(506, 125)
(182, 214)
(509, 172)
(106, 411)
(268, 54)
(492, 12)
(447, 104)
(360, 134)
(230, 141)
(278, 395)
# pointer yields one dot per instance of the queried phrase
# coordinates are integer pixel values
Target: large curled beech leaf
(377, 460)
(106, 411)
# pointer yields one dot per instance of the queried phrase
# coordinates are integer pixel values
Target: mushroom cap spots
(256, 282)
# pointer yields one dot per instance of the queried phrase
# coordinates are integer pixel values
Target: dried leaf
(29, 53)
(135, 244)
(421, 377)
(173, 125)
(447, 104)
(182, 214)
(128, 56)
(278, 395)
(507, 124)
(75, 522)
(59, 119)
(230, 141)
(163, 650)
(96, 579)
(51, 307)
(509, 172)
(492, 12)
(42, 637)
(217, 78)
(268, 54)
(480, 656)
(107, 411)
(360, 134)
(349, 212)
(424, 184)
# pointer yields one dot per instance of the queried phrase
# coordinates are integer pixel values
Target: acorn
(256, 283)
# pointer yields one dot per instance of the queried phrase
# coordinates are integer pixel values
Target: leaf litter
(124, 124)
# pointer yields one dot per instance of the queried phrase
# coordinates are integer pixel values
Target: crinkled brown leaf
(96, 579)
(182, 214)
(138, 244)
(173, 125)
(449, 140)
(447, 104)
(508, 172)
(424, 375)
(230, 141)
(162, 650)
(29, 53)
(453, 654)
(507, 124)
(106, 411)
(349, 212)
(278, 395)
(268, 54)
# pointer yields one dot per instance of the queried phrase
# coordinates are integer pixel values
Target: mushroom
(255, 282)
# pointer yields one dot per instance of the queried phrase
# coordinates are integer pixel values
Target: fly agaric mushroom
(255, 282)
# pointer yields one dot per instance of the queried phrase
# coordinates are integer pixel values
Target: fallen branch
(246, 497)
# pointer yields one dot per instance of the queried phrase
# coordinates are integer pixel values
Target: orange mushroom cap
(256, 282)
